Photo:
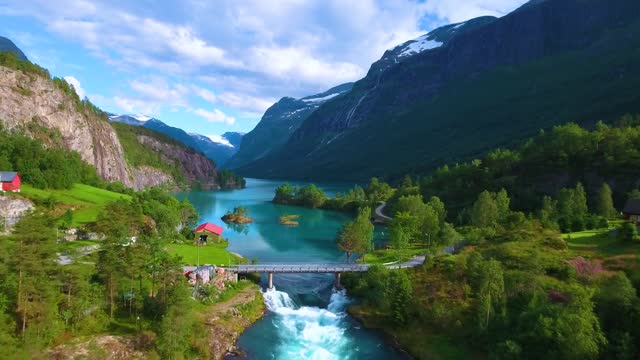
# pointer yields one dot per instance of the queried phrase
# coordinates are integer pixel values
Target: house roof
(7, 176)
(209, 227)
(632, 207)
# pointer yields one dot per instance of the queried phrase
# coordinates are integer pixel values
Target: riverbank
(419, 342)
(227, 320)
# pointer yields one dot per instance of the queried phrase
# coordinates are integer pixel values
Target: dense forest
(514, 287)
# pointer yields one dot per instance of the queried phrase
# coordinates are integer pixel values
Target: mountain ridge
(489, 80)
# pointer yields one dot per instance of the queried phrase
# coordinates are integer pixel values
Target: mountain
(8, 45)
(134, 120)
(218, 151)
(278, 123)
(465, 88)
(234, 138)
(50, 111)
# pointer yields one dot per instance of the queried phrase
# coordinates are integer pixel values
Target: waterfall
(309, 332)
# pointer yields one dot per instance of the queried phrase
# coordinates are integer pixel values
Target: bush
(628, 232)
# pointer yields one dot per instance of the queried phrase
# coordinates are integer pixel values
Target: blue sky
(216, 66)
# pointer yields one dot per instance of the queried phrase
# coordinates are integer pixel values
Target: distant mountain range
(216, 148)
(458, 91)
(279, 122)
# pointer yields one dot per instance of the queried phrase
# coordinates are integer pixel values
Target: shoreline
(366, 322)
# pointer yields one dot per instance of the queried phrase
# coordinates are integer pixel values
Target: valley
(463, 182)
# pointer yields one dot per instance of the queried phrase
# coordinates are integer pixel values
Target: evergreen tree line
(544, 165)
(134, 282)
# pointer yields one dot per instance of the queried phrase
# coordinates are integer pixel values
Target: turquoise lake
(305, 317)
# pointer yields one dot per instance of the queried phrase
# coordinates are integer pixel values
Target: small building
(631, 211)
(10, 181)
(203, 230)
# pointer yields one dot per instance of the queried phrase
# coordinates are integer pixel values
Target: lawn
(599, 243)
(212, 253)
(84, 200)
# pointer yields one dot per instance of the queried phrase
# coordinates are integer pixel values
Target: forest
(534, 269)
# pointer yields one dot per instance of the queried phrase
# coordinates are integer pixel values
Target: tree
(549, 213)
(402, 227)
(312, 196)
(34, 264)
(502, 203)
(357, 236)
(485, 212)
(490, 292)
(604, 202)
(399, 294)
(378, 191)
(438, 206)
(284, 194)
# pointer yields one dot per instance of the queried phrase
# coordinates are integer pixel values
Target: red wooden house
(208, 228)
(10, 181)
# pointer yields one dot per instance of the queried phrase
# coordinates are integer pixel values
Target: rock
(12, 209)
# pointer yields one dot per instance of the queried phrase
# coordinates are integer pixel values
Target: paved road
(379, 213)
(314, 267)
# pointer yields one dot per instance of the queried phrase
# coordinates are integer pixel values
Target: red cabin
(10, 181)
(208, 228)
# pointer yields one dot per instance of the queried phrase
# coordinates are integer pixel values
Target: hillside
(50, 110)
(463, 89)
(277, 125)
(217, 151)
(8, 45)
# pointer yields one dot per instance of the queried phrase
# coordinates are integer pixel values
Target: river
(306, 318)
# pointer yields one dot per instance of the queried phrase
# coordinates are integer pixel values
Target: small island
(289, 220)
(239, 215)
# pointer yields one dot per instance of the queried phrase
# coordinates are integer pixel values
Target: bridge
(336, 268)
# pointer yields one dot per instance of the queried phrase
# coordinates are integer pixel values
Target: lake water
(305, 318)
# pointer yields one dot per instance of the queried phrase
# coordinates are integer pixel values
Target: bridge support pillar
(270, 276)
(337, 284)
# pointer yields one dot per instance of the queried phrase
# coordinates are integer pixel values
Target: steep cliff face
(29, 102)
(25, 98)
(465, 88)
(196, 167)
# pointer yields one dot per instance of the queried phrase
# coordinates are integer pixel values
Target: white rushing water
(309, 332)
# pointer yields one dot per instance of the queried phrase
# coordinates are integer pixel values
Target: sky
(216, 66)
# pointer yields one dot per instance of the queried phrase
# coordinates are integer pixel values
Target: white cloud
(246, 102)
(215, 116)
(461, 10)
(76, 85)
(249, 55)
(204, 94)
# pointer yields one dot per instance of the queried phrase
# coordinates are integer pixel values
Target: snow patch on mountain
(321, 99)
(419, 45)
(220, 140)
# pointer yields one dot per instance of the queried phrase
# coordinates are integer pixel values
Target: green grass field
(84, 200)
(599, 243)
(212, 253)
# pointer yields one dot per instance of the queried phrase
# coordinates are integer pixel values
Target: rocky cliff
(29, 102)
(26, 98)
(196, 167)
(462, 89)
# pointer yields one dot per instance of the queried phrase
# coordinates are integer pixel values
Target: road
(380, 216)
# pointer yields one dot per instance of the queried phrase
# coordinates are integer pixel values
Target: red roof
(215, 229)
